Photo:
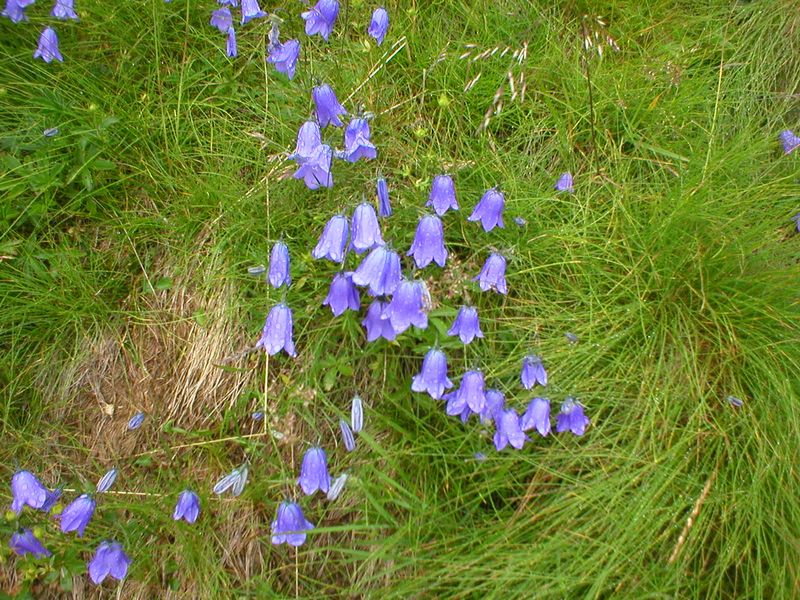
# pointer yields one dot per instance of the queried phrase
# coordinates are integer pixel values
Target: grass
(126, 241)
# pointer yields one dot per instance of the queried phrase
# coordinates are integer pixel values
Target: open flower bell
(290, 525)
(277, 332)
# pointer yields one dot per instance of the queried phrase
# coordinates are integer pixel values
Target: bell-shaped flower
(15, 10)
(108, 559)
(443, 195)
(571, 417)
(314, 471)
(279, 266)
(187, 507)
(565, 183)
(408, 306)
(384, 206)
(377, 322)
(48, 46)
(222, 19)
(379, 24)
(428, 244)
(327, 106)
(231, 3)
(796, 220)
(337, 485)
(234, 481)
(343, 294)
(470, 393)
(366, 233)
(64, 10)
(489, 210)
(77, 514)
(494, 407)
(26, 489)
(347, 435)
(106, 481)
(533, 372)
(380, 270)
(315, 171)
(537, 416)
(50, 502)
(321, 18)
(493, 274)
(432, 378)
(333, 241)
(357, 414)
(277, 332)
(284, 57)
(309, 138)
(24, 542)
(356, 141)
(136, 421)
(290, 525)
(466, 325)
(231, 48)
(251, 10)
(789, 140)
(508, 430)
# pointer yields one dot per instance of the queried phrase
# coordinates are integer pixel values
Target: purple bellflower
(343, 295)
(366, 233)
(537, 416)
(15, 10)
(234, 481)
(108, 559)
(64, 10)
(187, 507)
(789, 140)
(533, 372)
(357, 414)
(251, 10)
(321, 18)
(337, 486)
(221, 19)
(377, 322)
(50, 502)
(384, 206)
(50, 132)
(489, 210)
(136, 421)
(470, 393)
(231, 3)
(231, 49)
(314, 471)
(495, 406)
(27, 489)
(379, 24)
(277, 332)
(77, 514)
(315, 171)
(24, 542)
(796, 220)
(356, 141)
(48, 46)
(290, 525)
(571, 417)
(284, 57)
(279, 266)
(106, 481)
(508, 430)
(466, 325)
(432, 378)
(327, 106)
(428, 244)
(347, 435)
(565, 183)
(443, 195)
(407, 306)
(493, 274)
(309, 138)
(380, 271)
(333, 241)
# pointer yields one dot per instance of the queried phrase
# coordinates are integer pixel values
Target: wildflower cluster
(47, 49)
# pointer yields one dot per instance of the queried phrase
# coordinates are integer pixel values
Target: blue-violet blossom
(24, 542)
(357, 414)
(314, 471)
(428, 244)
(432, 378)
(508, 430)
(466, 325)
(284, 57)
(379, 24)
(493, 274)
(231, 49)
(380, 271)
(347, 435)
(108, 559)
(327, 106)
(366, 232)
(489, 211)
(533, 372)
(571, 417)
(77, 514)
(537, 416)
(315, 171)
(408, 306)
(48, 46)
(64, 9)
(443, 195)
(279, 265)
(384, 206)
(187, 507)
(789, 140)
(251, 10)
(106, 481)
(321, 18)
(565, 183)
(356, 141)
(343, 294)
(377, 322)
(277, 332)
(470, 393)
(26, 489)
(333, 241)
(221, 19)
(290, 525)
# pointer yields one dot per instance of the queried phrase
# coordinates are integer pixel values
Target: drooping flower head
(466, 325)
(366, 232)
(64, 9)
(77, 514)
(251, 10)
(231, 49)
(50, 132)
(284, 57)
(314, 471)
(333, 241)
(565, 183)
(379, 24)
(50, 502)
(377, 322)
(26, 489)
(356, 141)
(432, 378)
(493, 274)
(533, 372)
(234, 481)
(347, 435)
(48, 46)
(106, 481)
(508, 430)
(537, 416)
(327, 106)
(232, 3)
(309, 138)
(108, 559)
(357, 413)
(337, 485)
(571, 417)
(380, 271)
(290, 525)
(222, 19)
(279, 265)
(384, 206)
(428, 244)
(470, 393)
(315, 171)
(443, 195)
(277, 332)
(24, 542)
(15, 10)
(495, 406)
(408, 306)
(187, 507)
(343, 294)
(489, 210)
(789, 140)
(136, 421)
(321, 18)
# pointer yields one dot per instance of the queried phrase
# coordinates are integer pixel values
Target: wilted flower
(379, 24)
(357, 414)
(380, 270)
(77, 514)
(15, 10)
(221, 19)
(279, 265)
(257, 415)
(466, 325)
(489, 210)
(108, 559)
(734, 401)
(384, 207)
(571, 417)
(356, 141)
(366, 233)
(377, 322)
(537, 416)
(443, 195)
(789, 140)
(564, 183)
(493, 274)
(337, 486)
(495, 405)
(251, 10)
(432, 378)
(136, 421)
(428, 244)
(347, 435)
(187, 507)
(284, 57)
(26, 489)
(571, 337)
(508, 430)
(234, 481)
(106, 481)
(315, 170)
(231, 48)
(520, 221)
(327, 105)
(333, 241)
(290, 525)
(470, 393)
(407, 306)
(533, 372)
(321, 18)
(24, 542)
(314, 471)
(64, 9)
(277, 332)
(50, 132)
(309, 138)
(48, 46)
(343, 294)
